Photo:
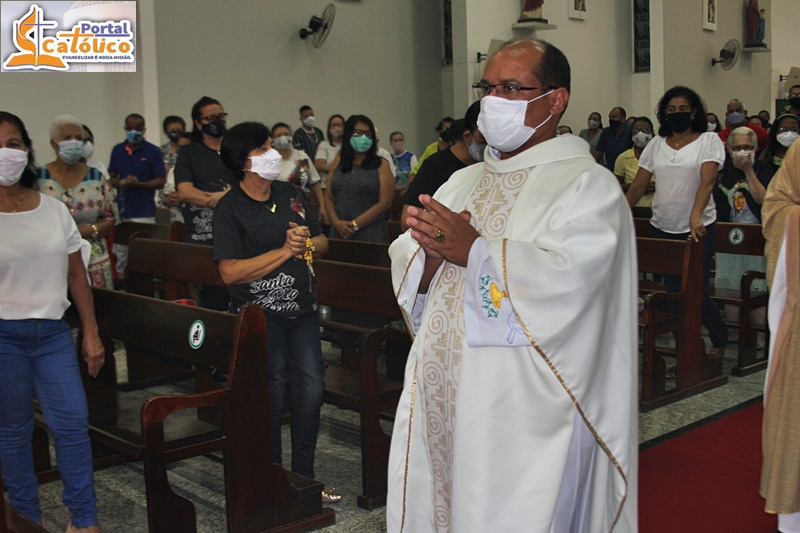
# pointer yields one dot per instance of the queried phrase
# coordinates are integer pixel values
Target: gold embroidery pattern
(490, 205)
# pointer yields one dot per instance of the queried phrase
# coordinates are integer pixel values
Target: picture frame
(577, 9)
(710, 14)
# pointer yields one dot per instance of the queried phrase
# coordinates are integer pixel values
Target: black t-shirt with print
(202, 167)
(245, 228)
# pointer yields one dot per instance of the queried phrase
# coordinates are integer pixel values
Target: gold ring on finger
(440, 235)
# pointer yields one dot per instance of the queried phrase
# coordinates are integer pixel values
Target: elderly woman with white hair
(90, 198)
(740, 191)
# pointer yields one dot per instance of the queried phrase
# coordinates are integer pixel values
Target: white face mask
(88, 149)
(593, 124)
(747, 154)
(641, 139)
(267, 165)
(711, 126)
(12, 163)
(283, 142)
(309, 121)
(502, 122)
(787, 138)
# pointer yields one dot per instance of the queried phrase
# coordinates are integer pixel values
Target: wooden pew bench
(125, 231)
(360, 253)
(744, 239)
(695, 372)
(260, 496)
(362, 302)
(163, 268)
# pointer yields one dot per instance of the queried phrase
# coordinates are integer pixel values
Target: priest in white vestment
(518, 281)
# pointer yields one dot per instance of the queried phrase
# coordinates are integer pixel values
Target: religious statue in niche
(755, 25)
(532, 11)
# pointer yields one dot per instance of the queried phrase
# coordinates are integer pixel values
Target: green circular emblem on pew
(736, 236)
(197, 334)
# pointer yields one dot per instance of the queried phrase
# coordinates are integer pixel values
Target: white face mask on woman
(641, 139)
(787, 138)
(267, 165)
(502, 122)
(12, 163)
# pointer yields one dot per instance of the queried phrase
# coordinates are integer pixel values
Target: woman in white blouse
(686, 158)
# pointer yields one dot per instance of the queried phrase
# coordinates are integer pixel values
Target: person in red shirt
(735, 116)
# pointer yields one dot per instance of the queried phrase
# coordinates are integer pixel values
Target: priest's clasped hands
(442, 233)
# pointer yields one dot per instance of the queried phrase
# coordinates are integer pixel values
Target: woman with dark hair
(782, 135)
(686, 157)
(329, 149)
(201, 179)
(591, 134)
(627, 164)
(40, 246)
(361, 186)
(712, 123)
(91, 199)
(298, 169)
(264, 246)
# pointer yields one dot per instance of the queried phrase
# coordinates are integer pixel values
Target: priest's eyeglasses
(506, 90)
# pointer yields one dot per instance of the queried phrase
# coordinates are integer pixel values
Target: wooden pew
(260, 496)
(360, 253)
(123, 233)
(175, 263)
(362, 302)
(695, 372)
(11, 521)
(745, 239)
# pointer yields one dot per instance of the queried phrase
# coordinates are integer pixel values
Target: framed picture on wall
(577, 9)
(709, 14)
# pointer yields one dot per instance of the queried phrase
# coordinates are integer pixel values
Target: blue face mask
(361, 144)
(134, 137)
(70, 151)
(476, 151)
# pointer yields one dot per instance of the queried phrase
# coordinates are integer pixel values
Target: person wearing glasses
(136, 170)
(784, 132)
(518, 371)
(89, 197)
(360, 186)
(627, 164)
(202, 179)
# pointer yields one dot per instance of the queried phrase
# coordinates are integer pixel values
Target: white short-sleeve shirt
(35, 246)
(679, 178)
(299, 170)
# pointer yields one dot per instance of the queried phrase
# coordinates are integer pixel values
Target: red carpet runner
(706, 479)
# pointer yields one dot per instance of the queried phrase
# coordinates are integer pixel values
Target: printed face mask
(593, 124)
(502, 122)
(283, 142)
(134, 137)
(215, 129)
(70, 151)
(267, 165)
(641, 139)
(12, 163)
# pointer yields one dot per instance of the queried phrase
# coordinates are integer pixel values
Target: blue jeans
(37, 357)
(295, 358)
(712, 318)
